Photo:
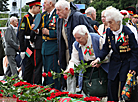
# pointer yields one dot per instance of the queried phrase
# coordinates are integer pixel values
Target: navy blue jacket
(75, 18)
(124, 56)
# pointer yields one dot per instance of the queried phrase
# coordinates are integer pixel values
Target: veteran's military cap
(34, 2)
(131, 10)
(37, 21)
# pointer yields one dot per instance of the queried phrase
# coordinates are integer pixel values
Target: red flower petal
(71, 71)
(14, 96)
(44, 74)
(65, 77)
(49, 74)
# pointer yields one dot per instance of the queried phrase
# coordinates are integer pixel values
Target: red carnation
(1, 95)
(44, 74)
(2, 91)
(123, 13)
(71, 71)
(65, 77)
(49, 74)
(48, 98)
(14, 96)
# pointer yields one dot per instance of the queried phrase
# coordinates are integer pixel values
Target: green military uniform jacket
(49, 45)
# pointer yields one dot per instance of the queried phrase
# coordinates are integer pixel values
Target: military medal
(125, 46)
(112, 38)
(109, 42)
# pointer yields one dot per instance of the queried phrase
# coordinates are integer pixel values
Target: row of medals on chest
(125, 45)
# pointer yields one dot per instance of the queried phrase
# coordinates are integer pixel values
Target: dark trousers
(29, 69)
(38, 66)
(33, 68)
(50, 62)
(113, 86)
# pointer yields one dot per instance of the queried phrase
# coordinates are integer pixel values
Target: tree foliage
(3, 22)
(100, 5)
(3, 5)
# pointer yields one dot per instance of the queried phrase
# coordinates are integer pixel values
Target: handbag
(97, 86)
(129, 91)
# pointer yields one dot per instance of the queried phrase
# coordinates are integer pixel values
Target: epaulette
(27, 15)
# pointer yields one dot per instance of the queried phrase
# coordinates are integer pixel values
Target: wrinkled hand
(132, 72)
(94, 63)
(66, 71)
(45, 31)
(22, 54)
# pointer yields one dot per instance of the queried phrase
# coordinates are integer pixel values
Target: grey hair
(63, 4)
(80, 29)
(13, 18)
(90, 10)
(53, 1)
(113, 14)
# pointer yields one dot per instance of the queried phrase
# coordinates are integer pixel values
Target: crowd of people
(61, 39)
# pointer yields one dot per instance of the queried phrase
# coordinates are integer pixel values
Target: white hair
(90, 10)
(113, 14)
(53, 1)
(80, 29)
(63, 4)
(13, 18)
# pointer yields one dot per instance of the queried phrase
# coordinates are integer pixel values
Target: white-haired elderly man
(12, 46)
(91, 15)
(84, 41)
(69, 18)
(124, 58)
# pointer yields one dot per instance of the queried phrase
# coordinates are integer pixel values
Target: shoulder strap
(20, 23)
(27, 15)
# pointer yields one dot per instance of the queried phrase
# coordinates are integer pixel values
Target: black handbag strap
(99, 75)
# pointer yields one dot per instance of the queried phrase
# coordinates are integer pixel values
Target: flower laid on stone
(25, 92)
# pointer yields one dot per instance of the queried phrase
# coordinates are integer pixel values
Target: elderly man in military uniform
(24, 38)
(49, 46)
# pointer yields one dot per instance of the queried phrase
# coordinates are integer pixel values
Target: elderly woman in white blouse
(124, 58)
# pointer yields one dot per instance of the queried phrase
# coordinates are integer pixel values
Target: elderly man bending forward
(84, 39)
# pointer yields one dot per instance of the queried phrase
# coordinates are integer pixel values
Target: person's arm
(9, 39)
(134, 53)
(104, 52)
(22, 30)
(74, 59)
